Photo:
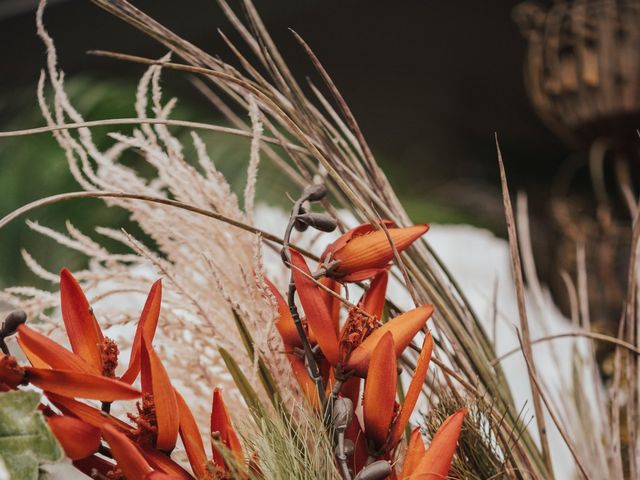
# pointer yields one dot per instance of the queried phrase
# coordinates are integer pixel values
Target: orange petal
(351, 390)
(413, 392)
(373, 300)
(373, 250)
(77, 384)
(304, 380)
(126, 454)
(380, 391)
(221, 423)
(162, 462)
(415, 451)
(191, 439)
(318, 315)
(85, 412)
(81, 325)
(403, 328)
(333, 303)
(147, 326)
(33, 358)
(358, 231)
(11, 373)
(155, 381)
(435, 463)
(285, 324)
(51, 353)
(78, 438)
(361, 275)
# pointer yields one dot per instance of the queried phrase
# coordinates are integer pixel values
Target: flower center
(357, 328)
(109, 355)
(146, 421)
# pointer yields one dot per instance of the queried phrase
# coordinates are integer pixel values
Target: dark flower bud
(375, 471)
(299, 225)
(315, 192)
(12, 322)
(342, 414)
(319, 221)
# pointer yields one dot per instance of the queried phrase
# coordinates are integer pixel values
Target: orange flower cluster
(133, 451)
(362, 352)
(363, 348)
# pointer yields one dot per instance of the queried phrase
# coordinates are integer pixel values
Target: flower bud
(315, 192)
(319, 221)
(12, 322)
(375, 471)
(342, 414)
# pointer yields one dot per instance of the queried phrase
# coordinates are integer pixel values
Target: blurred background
(429, 81)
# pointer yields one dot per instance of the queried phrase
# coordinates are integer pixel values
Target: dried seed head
(375, 471)
(319, 221)
(12, 322)
(315, 192)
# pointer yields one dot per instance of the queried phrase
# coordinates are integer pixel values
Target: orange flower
(307, 385)
(318, 314)
(415, 451)
(92, 352)
(78, 438)
(126, 453)
(380, 391)
(191, 439)
(65, 382)
(363, 251)
(222, 429)
(403, 328)
(159, 405)
(373, 300)
(285, 324)
(413, 392)
(333, 303)
(434, 464)
(86, 413)
(383, 427)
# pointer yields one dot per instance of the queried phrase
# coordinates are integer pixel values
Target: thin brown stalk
(592, 335)
(147, 198)
(145, 121)
(522, 311)
(631, 335)
(565, 436)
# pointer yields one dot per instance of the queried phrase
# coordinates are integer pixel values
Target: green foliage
(290, 445)
(25, 440)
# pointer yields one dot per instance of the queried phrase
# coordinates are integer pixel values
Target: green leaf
(25, 439)
(267, 380)
(244, 386)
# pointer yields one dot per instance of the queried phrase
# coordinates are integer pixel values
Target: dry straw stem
(522, 312)
(147, 198)
(563, 432)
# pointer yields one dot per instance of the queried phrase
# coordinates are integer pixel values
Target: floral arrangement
(250, 341)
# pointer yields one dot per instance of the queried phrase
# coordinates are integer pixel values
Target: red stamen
(147, 422)
(109, 355)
